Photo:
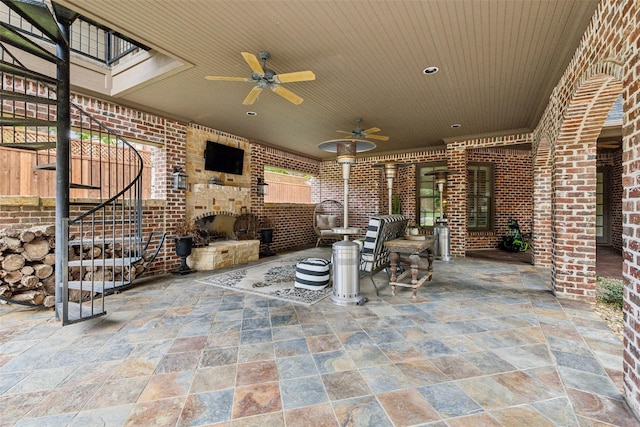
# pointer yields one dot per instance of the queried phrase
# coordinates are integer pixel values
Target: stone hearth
(224, 253)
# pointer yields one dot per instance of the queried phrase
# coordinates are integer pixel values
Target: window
(480, 196)
(286, 186)
(428, 203)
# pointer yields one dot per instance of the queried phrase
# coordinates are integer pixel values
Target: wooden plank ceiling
(498, 61)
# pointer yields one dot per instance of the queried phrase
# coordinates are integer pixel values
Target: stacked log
(27, 261)
(26, 273)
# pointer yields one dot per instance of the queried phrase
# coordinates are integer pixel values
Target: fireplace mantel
(204, 198)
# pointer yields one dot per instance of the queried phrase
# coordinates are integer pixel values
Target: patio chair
(375, 256)
(328, 214)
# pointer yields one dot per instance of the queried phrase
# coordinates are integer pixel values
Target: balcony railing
(88, 38)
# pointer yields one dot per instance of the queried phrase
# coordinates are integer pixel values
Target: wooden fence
(287, 188)
(18, 176)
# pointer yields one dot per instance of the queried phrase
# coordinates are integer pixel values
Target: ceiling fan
(360, 133)
(266, 78)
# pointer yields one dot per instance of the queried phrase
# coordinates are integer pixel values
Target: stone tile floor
(485, 344)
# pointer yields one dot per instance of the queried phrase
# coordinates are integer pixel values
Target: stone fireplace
(222, 205)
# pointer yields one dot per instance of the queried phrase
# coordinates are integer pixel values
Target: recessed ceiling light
(456, 125)
(430, 70)
(251, 113)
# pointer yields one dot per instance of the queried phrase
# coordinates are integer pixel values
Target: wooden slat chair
(375, 256)
(328, 214)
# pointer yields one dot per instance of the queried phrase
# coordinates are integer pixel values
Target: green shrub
(610, 291)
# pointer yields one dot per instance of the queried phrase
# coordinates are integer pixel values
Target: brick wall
(605, 65)
(512, 193)
(368, 194)
(293, 222)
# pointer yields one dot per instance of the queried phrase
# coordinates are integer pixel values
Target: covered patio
(486, 343)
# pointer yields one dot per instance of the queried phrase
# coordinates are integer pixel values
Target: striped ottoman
(313, 273)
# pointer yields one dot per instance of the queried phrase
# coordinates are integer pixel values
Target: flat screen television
(223, 158)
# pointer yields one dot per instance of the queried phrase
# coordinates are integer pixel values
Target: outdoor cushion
(326, 222)
(313, 273)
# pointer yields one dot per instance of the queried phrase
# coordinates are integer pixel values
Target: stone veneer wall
(203, 198)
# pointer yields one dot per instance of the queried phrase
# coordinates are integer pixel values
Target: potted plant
(184, 244)
(412, 230)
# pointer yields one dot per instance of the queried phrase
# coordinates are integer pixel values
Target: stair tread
(104, 262)
(96, 286)
(18, 96)
(46, 166)
(34, 146)
(24, 72)
(26, 121)
(78, 312)
(84, 186)
(39, 15)
(12, 37)
(130, 239)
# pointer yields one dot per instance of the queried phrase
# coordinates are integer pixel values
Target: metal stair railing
(104, 234)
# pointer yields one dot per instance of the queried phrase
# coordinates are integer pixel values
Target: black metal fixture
(179, 178)
(263, 187)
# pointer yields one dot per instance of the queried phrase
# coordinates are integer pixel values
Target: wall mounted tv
(223, 158)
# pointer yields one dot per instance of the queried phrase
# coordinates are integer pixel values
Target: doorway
(603, 205)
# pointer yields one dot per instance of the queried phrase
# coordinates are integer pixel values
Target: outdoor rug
(273, 278)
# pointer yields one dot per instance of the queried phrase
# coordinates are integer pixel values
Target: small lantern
(263, 187)
(179, 178)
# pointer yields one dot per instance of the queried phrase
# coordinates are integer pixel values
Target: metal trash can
(442, 251)
(346, 273)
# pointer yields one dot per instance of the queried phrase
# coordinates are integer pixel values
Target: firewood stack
(27, 260)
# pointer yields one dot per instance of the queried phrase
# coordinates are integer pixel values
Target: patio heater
(346, 254)
(441, 228)
(390, 172)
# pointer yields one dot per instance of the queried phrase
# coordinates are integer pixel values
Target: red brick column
(457, 196)
(630, 215)
(574, 181)
(542, 205)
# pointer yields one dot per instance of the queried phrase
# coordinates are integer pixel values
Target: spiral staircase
(99, 247)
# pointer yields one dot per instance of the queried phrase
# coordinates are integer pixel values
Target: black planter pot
(184, 244)
(266, 235)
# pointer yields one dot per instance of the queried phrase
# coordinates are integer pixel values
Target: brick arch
(574, 184)
(542, 203)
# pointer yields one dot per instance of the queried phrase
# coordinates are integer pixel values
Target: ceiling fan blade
(253, 62)
(345, 132)
(287, 94)
(253, 95)
(371, 130)
(298, 76)
(378, 137)
(228, 79)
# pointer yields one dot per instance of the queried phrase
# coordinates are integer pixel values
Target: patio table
(413, 247)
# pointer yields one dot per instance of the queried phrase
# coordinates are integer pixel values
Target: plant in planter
(412, 230)
(184, 241)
